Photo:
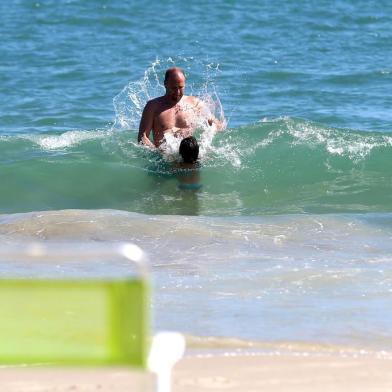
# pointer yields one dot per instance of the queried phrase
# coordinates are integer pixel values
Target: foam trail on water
(66, 139)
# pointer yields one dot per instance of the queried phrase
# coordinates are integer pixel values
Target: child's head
(189, 149)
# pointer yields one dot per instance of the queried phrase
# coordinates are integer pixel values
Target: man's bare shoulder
(194, 101)
(154, 104)
(191, 98)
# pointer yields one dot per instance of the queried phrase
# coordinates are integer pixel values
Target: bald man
(174, 112)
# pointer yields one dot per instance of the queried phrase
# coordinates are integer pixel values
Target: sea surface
(287, 245)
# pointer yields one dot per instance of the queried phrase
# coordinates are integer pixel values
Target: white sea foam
(66, 139)
(336, 142)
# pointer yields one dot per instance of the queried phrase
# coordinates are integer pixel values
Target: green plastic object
(74, 322)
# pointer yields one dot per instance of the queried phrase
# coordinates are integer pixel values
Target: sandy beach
(215, 373)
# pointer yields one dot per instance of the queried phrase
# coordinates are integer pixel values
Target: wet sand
(216, 373)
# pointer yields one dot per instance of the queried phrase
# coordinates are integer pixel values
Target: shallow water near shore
(315, 279)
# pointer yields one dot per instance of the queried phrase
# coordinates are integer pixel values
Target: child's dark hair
(189, 149)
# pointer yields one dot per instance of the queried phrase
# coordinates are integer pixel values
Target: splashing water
(129, 103)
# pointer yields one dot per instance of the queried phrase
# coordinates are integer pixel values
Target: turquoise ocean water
(289, 239)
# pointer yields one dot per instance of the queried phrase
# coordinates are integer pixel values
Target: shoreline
(285, 372)
(210, 372)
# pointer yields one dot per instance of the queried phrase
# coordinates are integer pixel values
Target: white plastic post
(166, 350)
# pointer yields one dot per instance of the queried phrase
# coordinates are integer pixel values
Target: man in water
(173, 112)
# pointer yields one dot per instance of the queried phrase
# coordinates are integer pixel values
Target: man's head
(174, 84)
(189, 149)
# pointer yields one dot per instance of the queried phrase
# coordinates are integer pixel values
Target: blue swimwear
(190, 186)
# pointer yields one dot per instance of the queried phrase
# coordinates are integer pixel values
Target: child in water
(188, 173)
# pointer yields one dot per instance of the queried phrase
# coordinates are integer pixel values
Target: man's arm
(203, 110)
(145, 126)
(220, 125)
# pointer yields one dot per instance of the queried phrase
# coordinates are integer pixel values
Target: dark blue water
(63, 62)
